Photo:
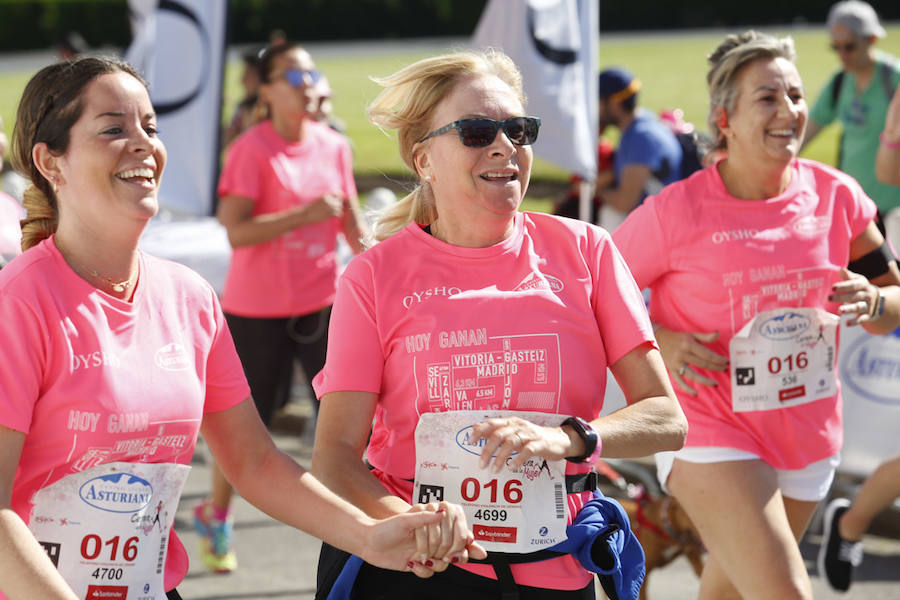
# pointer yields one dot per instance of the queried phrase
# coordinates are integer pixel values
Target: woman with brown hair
(113, 361)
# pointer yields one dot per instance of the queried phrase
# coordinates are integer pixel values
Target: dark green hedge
(29, 24)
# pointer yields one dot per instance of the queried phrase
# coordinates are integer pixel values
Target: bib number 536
(471, 489)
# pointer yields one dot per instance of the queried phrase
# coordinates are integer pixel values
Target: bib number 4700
(470, 490)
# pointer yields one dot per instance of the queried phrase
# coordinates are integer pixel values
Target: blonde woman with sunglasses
(477, 337)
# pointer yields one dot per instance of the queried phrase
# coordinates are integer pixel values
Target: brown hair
(407, 104)
(726, 63)
(50, 106)
(265, 65)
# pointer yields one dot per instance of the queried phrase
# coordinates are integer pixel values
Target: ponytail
(40, 219)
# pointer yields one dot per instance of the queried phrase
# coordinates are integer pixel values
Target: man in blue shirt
(649, 155)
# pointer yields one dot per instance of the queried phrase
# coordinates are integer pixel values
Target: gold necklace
(117, 286)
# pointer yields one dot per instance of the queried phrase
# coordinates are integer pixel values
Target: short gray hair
(728, 60)
(857, 16)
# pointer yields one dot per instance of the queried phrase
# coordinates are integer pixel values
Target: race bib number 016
(107, 528)
(783, 358)
(508, 512)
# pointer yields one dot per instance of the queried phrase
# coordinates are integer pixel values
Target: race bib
(107, 528)
(508, 512)
(782, 358)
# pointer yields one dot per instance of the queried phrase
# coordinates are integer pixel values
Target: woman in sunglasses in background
(469, 306)
(286, 192)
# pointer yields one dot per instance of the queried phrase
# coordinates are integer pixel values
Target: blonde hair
(50, 106)
(407, 104)
(726, 63)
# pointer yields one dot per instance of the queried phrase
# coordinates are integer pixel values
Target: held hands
(425, 540)
(445, 542)
(505, 436)
(857, 297)
(684, 350)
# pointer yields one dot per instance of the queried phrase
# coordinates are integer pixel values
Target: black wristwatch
(592, 442)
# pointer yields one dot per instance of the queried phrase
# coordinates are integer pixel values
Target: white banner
(554, 43)
(179, 45)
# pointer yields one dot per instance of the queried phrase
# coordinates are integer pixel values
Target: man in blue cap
(648, 156)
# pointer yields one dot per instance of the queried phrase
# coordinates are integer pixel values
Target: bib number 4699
(470, 490)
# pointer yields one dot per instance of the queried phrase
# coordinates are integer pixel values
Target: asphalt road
(278, 562)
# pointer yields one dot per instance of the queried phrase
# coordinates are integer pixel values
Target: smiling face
(475, 186)
(114, 161)
(769, 118)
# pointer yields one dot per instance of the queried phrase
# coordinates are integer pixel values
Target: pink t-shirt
(295, 273)
(414, 318)
(11, 212)
(712, 262)
(92, 379)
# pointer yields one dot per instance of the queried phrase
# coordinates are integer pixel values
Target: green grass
(672, 68)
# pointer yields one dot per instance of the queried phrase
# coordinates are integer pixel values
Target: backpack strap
(886, 71)
(836, 83)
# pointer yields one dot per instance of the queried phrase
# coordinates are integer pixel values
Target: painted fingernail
(410, 564)
(429, 563)
(441, 511)
(454, 560)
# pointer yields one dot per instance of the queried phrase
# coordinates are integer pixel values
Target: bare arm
(653, 420)
(355, 229)
(628, 193)
(246, 229)
(272, 481)
(887, 161)
(859, 296)
(342, 432)
(27, 571)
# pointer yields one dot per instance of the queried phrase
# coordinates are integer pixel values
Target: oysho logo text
(95, 359)
(734, 235)
(423, 295)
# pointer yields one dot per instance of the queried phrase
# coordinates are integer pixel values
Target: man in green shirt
(858, 95)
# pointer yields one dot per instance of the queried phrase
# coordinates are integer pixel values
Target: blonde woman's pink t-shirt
(712, 262)
(295, 273)
(414, 318)
(91, 379)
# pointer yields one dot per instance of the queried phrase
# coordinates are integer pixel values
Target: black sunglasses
(848, 47)
(480, 132)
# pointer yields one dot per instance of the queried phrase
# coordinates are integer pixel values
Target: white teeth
(145, 172)
(498, 174)
(781, 132)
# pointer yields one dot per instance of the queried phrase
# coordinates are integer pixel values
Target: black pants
(267, 349)
(453, 584)
(173, 595)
